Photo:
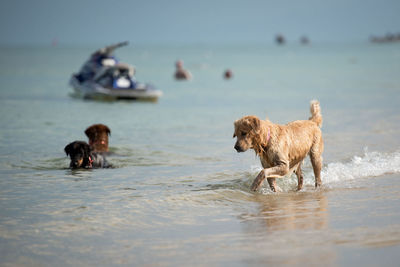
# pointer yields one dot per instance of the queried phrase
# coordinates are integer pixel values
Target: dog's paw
(278, 189)
(254, 187)
(258, 181)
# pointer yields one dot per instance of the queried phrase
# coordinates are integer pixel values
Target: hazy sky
(194, 21)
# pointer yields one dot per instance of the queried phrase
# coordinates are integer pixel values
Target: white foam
(371, 164)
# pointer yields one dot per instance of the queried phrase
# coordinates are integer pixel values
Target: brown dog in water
(98, 137)
(282, 148)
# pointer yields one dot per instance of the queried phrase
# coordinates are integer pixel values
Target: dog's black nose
(238, 148)
(74, 164)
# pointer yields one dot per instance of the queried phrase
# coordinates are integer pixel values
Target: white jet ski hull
(92, 90)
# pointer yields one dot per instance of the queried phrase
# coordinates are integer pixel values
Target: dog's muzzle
(74, 164)
(238, 148)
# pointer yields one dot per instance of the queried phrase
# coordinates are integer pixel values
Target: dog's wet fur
(98, 137)
(83, 156)
(282, 148)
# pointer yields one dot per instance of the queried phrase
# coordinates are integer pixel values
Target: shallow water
(178, 193)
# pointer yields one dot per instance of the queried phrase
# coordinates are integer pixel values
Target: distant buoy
(228, 74)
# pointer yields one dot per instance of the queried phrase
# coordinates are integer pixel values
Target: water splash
(371, 164)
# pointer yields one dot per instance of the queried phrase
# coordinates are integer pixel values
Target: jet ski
(104, 77)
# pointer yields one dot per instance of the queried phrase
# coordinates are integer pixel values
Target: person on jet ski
(99, 59)
(119, 76)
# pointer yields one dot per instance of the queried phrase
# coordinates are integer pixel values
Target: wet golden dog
(282, 148)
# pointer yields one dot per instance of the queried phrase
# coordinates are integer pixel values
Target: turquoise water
(179, 193)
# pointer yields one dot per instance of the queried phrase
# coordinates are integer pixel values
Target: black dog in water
(82, 156)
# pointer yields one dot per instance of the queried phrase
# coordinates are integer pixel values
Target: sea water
(178, 194)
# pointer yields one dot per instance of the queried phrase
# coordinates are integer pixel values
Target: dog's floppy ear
(234, 130)
(89, 131)
(108, 130)
(254, 123)
(68, 148)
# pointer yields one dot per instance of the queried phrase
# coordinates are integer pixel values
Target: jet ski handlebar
(109, 49)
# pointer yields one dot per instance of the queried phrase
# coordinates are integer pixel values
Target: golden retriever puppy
(282, 148)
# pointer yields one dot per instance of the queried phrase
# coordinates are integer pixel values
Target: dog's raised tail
(316, 115)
